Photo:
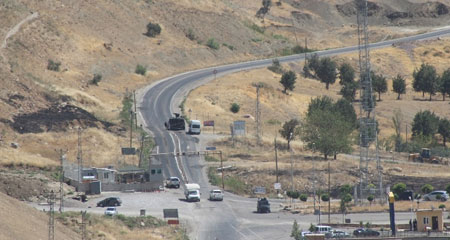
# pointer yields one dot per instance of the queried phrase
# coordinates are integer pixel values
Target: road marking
(235, 229)
(176, 159)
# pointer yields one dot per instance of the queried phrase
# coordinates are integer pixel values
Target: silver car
(433, 196)
(111, 211)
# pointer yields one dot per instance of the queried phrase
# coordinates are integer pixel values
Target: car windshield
(195, 126)
(192, 192)
(110, 209)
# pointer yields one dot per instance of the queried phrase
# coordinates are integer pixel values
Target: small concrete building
(104, 175)
(430, 220)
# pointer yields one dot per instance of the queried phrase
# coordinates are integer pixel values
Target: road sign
(239, 128)
(277, 186)
(170, 213)
(210, 148)
(209, 123)
(259, 190)
(128, 151)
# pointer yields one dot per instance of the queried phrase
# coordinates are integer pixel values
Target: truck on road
(192, 192)
(175, 123)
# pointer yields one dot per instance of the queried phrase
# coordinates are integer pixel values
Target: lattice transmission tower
(368, 142)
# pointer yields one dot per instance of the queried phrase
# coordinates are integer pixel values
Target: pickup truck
(192, 192)
(216, 195)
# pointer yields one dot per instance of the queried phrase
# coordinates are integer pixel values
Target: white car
(433, 196)
(216, 195)
(111, 211)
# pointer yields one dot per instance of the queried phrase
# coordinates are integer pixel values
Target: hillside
(51, 50)
(16, 215)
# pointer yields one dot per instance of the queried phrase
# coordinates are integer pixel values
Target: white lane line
(252, 232)
(157, 149)
(235, 229)
(176, 159)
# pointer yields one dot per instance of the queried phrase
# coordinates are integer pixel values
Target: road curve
(160, 100)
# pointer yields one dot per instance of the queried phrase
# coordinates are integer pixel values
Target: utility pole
(295, 31)
(131, 128)
(329, 191)
(221, 168)
(83, 226)
(276, 162)
(258, 114)
(51, 216)
(79, 157)
(135, 110)
(141, 150)
(292, 166)
(61, 181)
(314, 178)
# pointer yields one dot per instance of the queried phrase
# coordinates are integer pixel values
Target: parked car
(111, 211)
(365, 232)
(433, 196)
(173, 182)
(263, 206)
(110, 202)
(216, 195)
(339, 234)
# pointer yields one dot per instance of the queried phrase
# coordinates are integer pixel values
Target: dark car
(263, 206)
(406, 195)
(110, 202)
(365, 232)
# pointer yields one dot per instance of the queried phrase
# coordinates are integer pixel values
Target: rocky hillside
(51, 51)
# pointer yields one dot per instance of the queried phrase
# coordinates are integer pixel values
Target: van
(192, 192)
(194, 127)
(323, 229)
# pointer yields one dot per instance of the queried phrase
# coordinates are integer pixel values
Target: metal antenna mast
(51, 216)
(368, 125)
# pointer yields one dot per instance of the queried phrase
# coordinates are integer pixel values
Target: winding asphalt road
(159, 101)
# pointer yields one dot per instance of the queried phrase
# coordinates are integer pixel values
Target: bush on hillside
(153, 29)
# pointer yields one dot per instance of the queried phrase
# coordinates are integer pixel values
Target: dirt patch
(57, 118)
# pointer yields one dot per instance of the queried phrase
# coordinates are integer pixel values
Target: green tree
(234, 108)
(288, 81)
(427, 188)
(348, 91)
(347, 80)
(153, 29)
(314, 63)
(346, 109)
(140, 69)
(323, 103)
(379, 84)
(425, 123)
(327, 71)
(370, 198)
(399, 188)
(296, 233)
(444, 129)
(303, 197)
(399, 85)
(426, 80)
(325, 197)
(444, 87)
(345, 189)
(346, 74)
(447, 188)
(96, 79)
(290, 130)
(328, 132)
(397, 120)
(213, 44)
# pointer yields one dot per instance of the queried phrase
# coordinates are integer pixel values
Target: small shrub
(399, 188)
(286, 51)
(211, 159)
(153, 29)
(427, 188)
(303, 197)
(370, 198)
(277, 36)
(312, 228)
(256, 39)
(191, 35)
(141, 70)
(53, 66)
(228, 46)
(442, 206)
(235, 108)
(276, 67)
(447, 188)
(211, 43)
(257, 28)
(96, 79)
(325, 197)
